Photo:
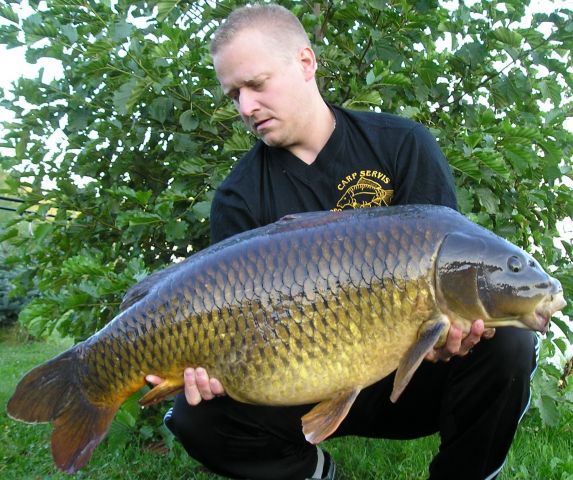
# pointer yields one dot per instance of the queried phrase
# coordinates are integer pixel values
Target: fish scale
(310, 309)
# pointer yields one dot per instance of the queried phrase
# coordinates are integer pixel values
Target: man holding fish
(313, 156)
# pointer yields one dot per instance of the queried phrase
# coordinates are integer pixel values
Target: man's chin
(270, 141)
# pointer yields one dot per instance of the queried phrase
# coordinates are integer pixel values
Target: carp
(310, 309)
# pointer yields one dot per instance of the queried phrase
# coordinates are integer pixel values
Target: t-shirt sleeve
(229, 215)
(423, 175)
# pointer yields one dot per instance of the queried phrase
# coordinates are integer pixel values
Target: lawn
(537, 453)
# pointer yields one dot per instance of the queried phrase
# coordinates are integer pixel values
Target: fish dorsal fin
(323, 420)
(134, 294)
(162, 391)
(288, 223)
(142, 288)
(428, 336)
(301, 221)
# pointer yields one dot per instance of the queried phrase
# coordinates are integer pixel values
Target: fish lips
(542, 307)
(545, 310)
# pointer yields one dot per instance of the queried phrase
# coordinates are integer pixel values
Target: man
(314, 156)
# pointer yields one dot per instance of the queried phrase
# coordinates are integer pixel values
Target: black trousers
(475, 403)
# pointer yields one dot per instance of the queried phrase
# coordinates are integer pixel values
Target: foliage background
(126, 149)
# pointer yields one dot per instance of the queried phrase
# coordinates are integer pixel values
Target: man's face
(268, 88)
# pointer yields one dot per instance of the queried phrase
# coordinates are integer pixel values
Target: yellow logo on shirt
(363, 189)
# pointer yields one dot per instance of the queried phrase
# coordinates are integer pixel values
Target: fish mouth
(542, 320)
(545, 311)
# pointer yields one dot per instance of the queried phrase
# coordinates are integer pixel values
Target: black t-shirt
(371, 159)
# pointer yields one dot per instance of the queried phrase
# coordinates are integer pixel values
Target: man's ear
(307, 60)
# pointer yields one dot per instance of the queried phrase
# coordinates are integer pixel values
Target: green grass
(537, 453)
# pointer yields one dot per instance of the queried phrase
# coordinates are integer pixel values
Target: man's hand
(198, 385)
(458, 345)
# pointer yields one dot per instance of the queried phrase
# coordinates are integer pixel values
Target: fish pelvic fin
(51, 393)
(323, 420)
(429, 335)
(160, 392)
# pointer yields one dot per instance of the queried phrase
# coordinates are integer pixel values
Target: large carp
(310, 309)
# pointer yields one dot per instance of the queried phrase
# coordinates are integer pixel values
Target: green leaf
(550, 90)
(125, 98)
(493, 160)
(370, 77)
(472, 54)
(183, 142)
(9, 36)
(121, 30)
(555, 116)
(465, 165)
(188, 121)
(9, 14)
(134, 217)
(548, 411)
(396, 79)
(192, 166)
(8, 234)
(488, 199)
(42, 230)
(239, 142)
(222, 114)
(176, 230)
(202, 209)
(363, 100)
(141, 196)
(83, 265)
(565, 329)
(123, 95)
(70, 32)
(100, 47)
(410, 112)
(507, 36)
(161, 108)
(164, 8)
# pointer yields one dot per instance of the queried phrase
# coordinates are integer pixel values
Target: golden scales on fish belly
(334, 301)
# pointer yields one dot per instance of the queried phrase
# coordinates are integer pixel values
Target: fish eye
(514, 264)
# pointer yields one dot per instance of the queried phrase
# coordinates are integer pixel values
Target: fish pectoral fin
(165, 389)
(428, 336)
(323, 420)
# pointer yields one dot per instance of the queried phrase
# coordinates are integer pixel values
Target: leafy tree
(130, 143)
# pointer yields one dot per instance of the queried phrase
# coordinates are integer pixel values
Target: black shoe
(328, 468)
(168, 420)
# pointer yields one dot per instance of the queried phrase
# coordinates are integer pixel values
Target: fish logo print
(366, 192)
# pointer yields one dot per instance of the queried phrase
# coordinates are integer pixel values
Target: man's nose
(247, 103)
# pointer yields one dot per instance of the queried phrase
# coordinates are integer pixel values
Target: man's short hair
(275, 21)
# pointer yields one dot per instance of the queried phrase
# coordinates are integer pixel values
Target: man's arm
(423, 174)
(230, 215)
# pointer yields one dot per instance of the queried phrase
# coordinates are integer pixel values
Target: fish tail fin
(51, 393)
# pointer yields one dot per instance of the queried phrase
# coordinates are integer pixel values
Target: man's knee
(512, 353)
